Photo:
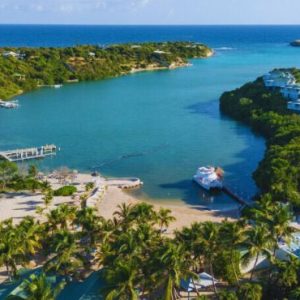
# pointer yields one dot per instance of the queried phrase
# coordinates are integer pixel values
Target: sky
(149, 12)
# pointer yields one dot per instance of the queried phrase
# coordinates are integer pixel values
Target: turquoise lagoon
(159, 126)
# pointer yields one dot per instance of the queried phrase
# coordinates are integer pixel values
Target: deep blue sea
(159, 126)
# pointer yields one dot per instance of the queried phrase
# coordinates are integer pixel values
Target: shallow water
(159, 126)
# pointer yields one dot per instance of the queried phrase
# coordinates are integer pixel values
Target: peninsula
(24, 69)
(268, 106)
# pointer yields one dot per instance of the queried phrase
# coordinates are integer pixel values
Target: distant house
(278, 79)
(286, 82)
(159, 52)
(135, 46)
(291, 92)
(92, 54)
(13, 54)
(294, 105)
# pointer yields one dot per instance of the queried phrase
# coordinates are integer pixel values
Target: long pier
(28, 153)
(231, 194)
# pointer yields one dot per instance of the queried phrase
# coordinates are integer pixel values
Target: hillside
(24, 69)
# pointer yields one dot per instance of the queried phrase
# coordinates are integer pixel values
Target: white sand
(19, 205)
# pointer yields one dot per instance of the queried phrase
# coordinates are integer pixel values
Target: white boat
(12, 104)
(209, 178)
(57, 86)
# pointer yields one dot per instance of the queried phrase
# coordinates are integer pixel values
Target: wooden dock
(28, 153)
(234, 196)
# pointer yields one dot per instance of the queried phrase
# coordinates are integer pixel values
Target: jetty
(28, 153)
(124, 183)
(234, 196)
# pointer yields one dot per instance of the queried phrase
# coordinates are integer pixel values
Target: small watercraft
(209, 177)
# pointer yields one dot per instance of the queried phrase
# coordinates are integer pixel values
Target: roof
(205, 280)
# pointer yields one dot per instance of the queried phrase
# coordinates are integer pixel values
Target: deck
(28, 153)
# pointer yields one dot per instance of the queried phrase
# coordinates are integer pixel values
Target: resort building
(291, 92)
(294, 105)
(13, 54)
(278, 79)
(286, 82)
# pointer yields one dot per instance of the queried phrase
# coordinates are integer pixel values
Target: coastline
(81, 67)
(18, 205)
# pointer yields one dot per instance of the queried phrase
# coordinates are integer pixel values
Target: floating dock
(28, 153)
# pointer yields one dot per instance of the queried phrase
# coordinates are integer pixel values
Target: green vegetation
(11, 178)
(139, 261)
(278, 174)
(67, 190)
(35, 67)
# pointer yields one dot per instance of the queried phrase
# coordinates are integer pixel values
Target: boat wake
(224, 48)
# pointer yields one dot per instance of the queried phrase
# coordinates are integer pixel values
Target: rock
(295, 43)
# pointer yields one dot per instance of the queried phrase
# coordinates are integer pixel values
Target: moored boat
(12, 104)
(209, 177)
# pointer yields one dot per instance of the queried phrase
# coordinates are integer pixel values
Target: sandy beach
(20, 204)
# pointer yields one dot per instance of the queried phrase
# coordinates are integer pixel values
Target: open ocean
(159, 126)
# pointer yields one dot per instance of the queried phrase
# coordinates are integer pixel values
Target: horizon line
(79, 24)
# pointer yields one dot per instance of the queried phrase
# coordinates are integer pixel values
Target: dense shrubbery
(67, 190)
(48, 66)
(279, 172)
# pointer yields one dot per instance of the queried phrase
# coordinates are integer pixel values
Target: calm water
(158, 126)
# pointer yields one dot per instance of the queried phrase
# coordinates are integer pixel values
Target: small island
(25, 69)
(295, 43)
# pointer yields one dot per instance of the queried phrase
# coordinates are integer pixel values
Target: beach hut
(204, 281)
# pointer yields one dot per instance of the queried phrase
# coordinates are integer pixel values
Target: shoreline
(172, 66)
(17, 205)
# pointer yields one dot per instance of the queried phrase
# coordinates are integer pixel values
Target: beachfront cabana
(204, 281)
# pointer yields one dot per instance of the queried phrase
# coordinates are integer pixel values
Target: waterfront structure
(291, 92)
(13, 54)
(286, 83)
(209, 178)
(278, 79)
(28, 153)
(294, 105)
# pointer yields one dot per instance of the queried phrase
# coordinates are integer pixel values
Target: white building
(13, 54)
(294, 105)
(278, 79)
(291, 92)
(288, 87)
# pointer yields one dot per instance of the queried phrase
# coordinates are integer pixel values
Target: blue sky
(150, 11)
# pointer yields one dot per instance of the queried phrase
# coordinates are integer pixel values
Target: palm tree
(250, 291)
(142, 213)
(89, 222)
(30, 235)
(12, 249)
(37, 287)
(67, 257)
(190, 237)
(48, 197)
(278, 222)
(164, 217)
(61, 216)
(121, 280)
(232, 234)
(172, 264)
(210, 242)
(258, 242)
